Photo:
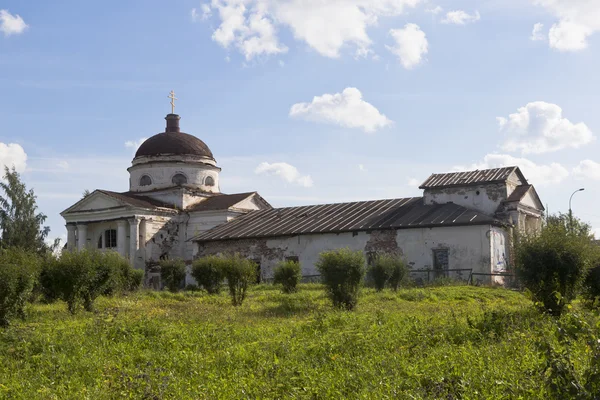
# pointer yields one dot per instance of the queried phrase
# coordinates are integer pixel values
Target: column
(71, 237)
(81, 236)
(134, 240)
(121, 236)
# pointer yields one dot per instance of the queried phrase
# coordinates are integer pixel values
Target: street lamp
(570, 210)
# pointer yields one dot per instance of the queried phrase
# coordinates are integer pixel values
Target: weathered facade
(464, 220)
(174, 209)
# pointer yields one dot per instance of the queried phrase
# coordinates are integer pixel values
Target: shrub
(553, 265)
(172, 273)
(240, 273)
(79, 277)
(381, 271)
(342, 271)
(133, 279)
(18, 273)
(592, 285)
(288, 274)
(208, 272)
(399, 273)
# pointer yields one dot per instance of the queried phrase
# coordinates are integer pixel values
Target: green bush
(240, 273)
(208, 272)
(592, 285)
(381, 271)
(342, 271)
(288, 274)
(399, 273)
(79, 277)
(172, 273)
(553, 265)
(18, 273)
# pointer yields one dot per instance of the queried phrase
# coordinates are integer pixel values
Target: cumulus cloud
(587, 169)
(460, 17)
(63, 164)
(326, 26)
(536, 33)
(414, 182)
(435, 10)
(536, 174)
(539, 127)
(11, 24)
(135, 144)
(411, 45)
(206, 13)
(285, 171)
(361, 167)
(13, 155)
(577, 21)
(346, 109)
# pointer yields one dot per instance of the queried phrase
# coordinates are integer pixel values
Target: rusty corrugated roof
(468, 177)
(220, 202)
(345, 217)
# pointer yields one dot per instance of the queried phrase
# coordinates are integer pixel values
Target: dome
(172, 141)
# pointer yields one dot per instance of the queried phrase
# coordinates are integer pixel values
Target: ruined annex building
(175, 209)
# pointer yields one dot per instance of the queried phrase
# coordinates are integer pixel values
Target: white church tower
(174, 194)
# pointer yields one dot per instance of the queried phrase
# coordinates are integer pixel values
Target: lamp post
(570, 210)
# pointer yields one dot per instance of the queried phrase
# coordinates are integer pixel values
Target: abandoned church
(175, 209)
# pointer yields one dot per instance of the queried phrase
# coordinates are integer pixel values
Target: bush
(18, 273)
(288, 274)
(79, 277)
(240, 273)
(381, 271)
(399, 273)
(553, 265)
(208, 272)
(128, 279)
(592, 285)
(342, 271)
(172, 273)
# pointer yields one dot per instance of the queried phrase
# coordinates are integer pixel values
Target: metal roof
(222, 201)
(345, 217)
(470, 177)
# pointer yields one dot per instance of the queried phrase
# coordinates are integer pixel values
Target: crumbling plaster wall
(485, 198)
(469, 247)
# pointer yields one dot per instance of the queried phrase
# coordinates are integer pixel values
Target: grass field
(445, 342)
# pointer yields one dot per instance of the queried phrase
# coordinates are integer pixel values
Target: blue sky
(305, 101)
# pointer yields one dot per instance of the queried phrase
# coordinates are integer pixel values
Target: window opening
(209, 181)
(179, 179)
(440, 262)
(145, 181)
(110, 238)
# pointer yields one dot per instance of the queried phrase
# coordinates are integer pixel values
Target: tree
(554, 263)
(85, 194)
(20, 223)
(572, 224)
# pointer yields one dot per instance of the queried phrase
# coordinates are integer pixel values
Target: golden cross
(173, 98)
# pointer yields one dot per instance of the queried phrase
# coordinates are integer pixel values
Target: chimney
(172, 123)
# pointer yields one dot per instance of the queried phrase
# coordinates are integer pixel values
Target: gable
(531, 199)
(252, 202)
(95, 201)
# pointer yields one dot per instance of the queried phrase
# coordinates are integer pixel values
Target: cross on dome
(173, 98)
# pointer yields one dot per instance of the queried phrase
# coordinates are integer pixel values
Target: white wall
(485, 198)
(162, 173)
(469, 247)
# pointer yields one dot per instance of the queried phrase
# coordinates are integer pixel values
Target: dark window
(292, 258)
(100, 242)
(110, 238)
(209, 181)
(179, 179)
(145, 181)
(371, 255)
(440, 262)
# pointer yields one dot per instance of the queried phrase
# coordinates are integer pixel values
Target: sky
(305, 101)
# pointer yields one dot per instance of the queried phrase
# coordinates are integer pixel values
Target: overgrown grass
(448, 342)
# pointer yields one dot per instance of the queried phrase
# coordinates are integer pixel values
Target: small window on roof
(179, 179)
(145, 180)
(209, 181)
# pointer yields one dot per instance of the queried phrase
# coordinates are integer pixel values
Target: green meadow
(452, 342)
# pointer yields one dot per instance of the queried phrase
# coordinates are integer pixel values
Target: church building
(174, 208)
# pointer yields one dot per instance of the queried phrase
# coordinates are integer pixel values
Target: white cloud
(11, 24)
(539, 127)
(135, 144)
(460, 17)
(63, 164)
(435, 10)
(347, 109)
(326, 26)
(414, 182)
(281, 63)
(587, 169)
(536, 174)
(411, 45)
(206, 13)
(12, 155)
(361, 167)
(577, 20)
(287, 172)
(536, 33)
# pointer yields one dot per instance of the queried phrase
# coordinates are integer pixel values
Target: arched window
(179, 179)
(145, 180)
(110, 238)
(209, 181)
(100, 242)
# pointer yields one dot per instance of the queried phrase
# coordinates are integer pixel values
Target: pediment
(94, 202)
(531, 199)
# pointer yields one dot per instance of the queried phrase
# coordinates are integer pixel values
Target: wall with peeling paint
(469, 247)
(485, 198)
